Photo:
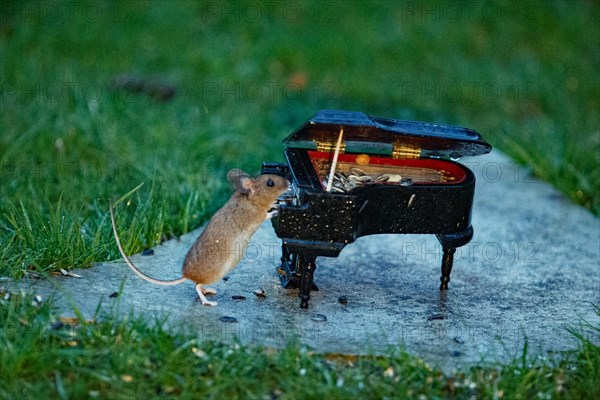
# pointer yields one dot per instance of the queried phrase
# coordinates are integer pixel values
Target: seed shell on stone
(318, 317)
(56, 325)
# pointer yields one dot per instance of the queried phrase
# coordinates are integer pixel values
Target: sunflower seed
(394, 178)
(350, 185)
(357, 171)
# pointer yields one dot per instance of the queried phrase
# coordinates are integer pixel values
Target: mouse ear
(241, 180)
(235, 174)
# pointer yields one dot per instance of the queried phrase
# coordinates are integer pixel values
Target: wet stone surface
(530, 272)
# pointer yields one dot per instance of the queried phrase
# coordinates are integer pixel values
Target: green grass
(115, 356)
(524, 74)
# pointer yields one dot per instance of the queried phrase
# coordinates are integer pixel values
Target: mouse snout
(284, 186)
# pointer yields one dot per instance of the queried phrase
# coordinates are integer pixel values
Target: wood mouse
(221, 245)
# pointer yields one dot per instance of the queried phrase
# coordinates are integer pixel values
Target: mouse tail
(133, 267)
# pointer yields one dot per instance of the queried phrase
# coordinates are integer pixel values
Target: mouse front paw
(271, 214)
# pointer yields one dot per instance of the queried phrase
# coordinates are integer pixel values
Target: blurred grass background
(524, 74)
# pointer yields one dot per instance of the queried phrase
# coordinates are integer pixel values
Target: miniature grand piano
(392, 176)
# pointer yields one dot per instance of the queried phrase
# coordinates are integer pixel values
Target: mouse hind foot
(201, 291)
(209, 291)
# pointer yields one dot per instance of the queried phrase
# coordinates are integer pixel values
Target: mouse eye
(270, 183)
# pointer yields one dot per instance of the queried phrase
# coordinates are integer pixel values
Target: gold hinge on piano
(326, 147)
(404, 150)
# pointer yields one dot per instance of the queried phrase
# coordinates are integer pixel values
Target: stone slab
(530, 272)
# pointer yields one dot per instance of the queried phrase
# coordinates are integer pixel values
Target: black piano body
(434, 196)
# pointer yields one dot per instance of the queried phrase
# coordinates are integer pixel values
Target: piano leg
(307, 268)
(285, 254)
(447, 261)
(449, 243)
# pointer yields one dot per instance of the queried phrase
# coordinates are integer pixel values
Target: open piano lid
(375, 135)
